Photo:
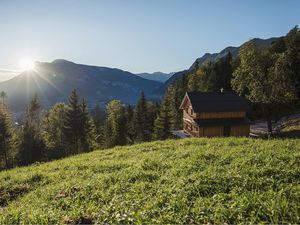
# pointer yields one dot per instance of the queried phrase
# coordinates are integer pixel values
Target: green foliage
(115, 125)
(162, 124)
(77, 125)
(129, 124)
(3, 96)
(34, 112)
(6, 137)
(292, 43)
(141, 123)
(200, 181)
(97, 116)
(30, 142)
(264, 78)
(53, 131)
(72, 123)
(212, 76)
(174, 96)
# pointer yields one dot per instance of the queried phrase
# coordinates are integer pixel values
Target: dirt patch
(7, 195)
(87, 219)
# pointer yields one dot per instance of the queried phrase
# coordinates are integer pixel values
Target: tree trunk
(5, 154)
(267, 113)
(269, 124)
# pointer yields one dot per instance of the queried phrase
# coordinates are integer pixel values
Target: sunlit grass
(219, 180)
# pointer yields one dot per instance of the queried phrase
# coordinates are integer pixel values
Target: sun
(26, 64)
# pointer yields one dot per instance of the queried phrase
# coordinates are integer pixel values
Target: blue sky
(135, 35)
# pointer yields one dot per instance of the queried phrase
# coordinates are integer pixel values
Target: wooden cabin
(213, 114)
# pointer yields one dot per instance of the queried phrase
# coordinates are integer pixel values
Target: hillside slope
(157, 76)
(213, 57)
(53, 82)
(232, 180)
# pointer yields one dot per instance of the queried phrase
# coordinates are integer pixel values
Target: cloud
(4, 70)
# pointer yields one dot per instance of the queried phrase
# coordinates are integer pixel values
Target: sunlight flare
(26, 64)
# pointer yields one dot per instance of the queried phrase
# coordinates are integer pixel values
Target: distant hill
(7, 74)
(213, 58)
(189, 181)
(157, 76)
(53, 82)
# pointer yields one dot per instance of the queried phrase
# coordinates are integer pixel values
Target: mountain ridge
(157, 76)
(213, 57)
(54, 81)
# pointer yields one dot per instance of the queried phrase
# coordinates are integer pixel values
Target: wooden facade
(228, 118)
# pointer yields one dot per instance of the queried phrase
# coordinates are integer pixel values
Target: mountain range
(53, 82)
(157, 76)
(213, 57)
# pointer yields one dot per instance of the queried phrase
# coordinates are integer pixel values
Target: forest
(268, 77)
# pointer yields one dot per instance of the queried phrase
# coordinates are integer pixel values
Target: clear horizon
(136, 36)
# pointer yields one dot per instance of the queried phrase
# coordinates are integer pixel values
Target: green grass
(219, 180)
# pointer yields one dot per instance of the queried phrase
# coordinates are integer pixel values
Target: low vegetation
(218, 180)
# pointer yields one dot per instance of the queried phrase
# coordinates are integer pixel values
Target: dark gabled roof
(217, 102)
(221, 122)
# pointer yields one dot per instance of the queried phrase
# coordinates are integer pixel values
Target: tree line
(70, 128)
(268, 77)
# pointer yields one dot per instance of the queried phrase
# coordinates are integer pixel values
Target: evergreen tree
(86, 128)
(140, 120)
(34, 111)
(114, 132)
(107, 139)
(162, 125)
(97, 118)
(3, 96)
(152, 111)
(6, 134)
(129, 124)
(53, 131)
(175, 94)
(73, 123)
(31, 146)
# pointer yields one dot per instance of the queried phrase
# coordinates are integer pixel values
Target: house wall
(190, 128)
(213, 131)
(219, 115)
(240, 130)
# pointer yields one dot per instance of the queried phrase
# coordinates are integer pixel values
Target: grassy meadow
(217, 180)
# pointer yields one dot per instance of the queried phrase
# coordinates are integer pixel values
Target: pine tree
(3, 96)
(31, 145)
(6, 134)
(140, 120)
(73, 123)
(114, 130)
(34, 111)
(97, 117)
(129, 124)
(53, 131)
(162, 129)
(86, 127)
